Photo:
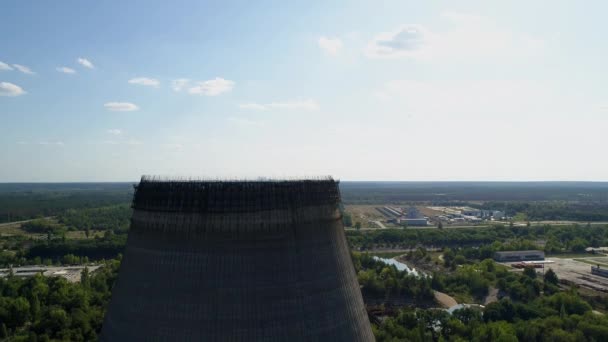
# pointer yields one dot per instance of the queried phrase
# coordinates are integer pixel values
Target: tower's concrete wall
(237, 261)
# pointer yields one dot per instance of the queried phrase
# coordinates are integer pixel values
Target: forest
(581, 201)
(27, 201)
(530, 307)
(52, 309)
(556, 239)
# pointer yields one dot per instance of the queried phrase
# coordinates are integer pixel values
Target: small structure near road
(71, 273)
(601, 250)
(510, 256)
(599, 271)
(418, 222)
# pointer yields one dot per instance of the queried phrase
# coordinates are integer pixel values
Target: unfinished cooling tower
(236, 261)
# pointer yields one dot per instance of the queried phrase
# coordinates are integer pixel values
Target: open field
(14, 228)
(594, 261)
(363, 212)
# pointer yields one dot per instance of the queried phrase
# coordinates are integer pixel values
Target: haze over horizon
(391, 90)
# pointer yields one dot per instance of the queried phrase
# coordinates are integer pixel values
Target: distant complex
(70, 273)
(236, 261)
(396, 215)
(510, 256)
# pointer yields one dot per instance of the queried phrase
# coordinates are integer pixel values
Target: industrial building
(70, 273)
(413, 221)
(510, 256)
(236, 261)
(413, 218)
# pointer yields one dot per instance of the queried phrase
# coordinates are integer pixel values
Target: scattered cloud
(51, 143)
(122, 142)
(66, 70)
(470, 98)
(23, 69)
(330, 45)
(286, 105)
(405, 41)
(253, 106)
(121, 106)
(4, 66)
(85, 63)
(43, 143)
(179, 84)
(381, 95)
(145, 81)
(134, 142)
(174, 146)
(245, 122)
(114, 131)
(212, 87)
(467, 36)
(9, 89)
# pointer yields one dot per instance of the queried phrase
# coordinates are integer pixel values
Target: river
(400, 266)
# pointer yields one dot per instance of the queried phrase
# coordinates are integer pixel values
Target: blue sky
(361, 90)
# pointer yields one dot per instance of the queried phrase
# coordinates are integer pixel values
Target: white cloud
(51, 143)
(4, 66)
(286, 105)
(179, 84)
(331, 45)
(9, 89)
(121, 106)
(253, 106)
(85, 63)
(405, 41)
(134, 142)
(212, 87)
(122, 142)
(245, 122)
(467, 99)
(114, 131)
(23, 69)
(468, 36)
(174, 146)
(66, 70)
(145, 81)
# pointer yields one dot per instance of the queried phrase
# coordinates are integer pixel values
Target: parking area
(577, 271)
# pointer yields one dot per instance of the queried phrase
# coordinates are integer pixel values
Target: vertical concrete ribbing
(237, 261)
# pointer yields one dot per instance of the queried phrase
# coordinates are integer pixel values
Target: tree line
(554, 239)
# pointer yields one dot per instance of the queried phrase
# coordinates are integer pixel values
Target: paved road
(379, 224)
(18, 222)
(13, 223)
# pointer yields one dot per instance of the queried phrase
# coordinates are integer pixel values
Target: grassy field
(15, 229)
(594, 261)
(571, 255)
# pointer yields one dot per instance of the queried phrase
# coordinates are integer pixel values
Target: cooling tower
(236, 261)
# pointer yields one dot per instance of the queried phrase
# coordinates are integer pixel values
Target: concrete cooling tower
(236, 261)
